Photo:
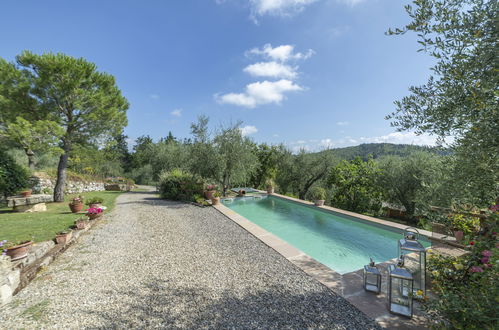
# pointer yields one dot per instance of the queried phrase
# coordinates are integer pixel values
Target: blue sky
(309, 73)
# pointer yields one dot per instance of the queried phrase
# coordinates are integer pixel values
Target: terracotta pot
(319, 202)
(215, 201)
(458, 234)
(81, 224)
(19, 251)
(64, 238)
(209, 194)
(270, 190)
(26, 193)
(75, 208)
(94, 216)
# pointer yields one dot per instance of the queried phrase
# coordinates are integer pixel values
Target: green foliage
(12, 176)
(235, 159)
(317, 193)
(378, 150)
(460, 97)
(179, 185)
(297, 173)
(40, 135)
(266, 169)
(86, 104)
(466, 286)
(465, 223)
(406, 181)
(95, 200)
(355, 187)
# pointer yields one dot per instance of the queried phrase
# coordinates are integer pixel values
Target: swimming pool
(341, 242)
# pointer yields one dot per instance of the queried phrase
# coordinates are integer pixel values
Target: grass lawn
(42, 226)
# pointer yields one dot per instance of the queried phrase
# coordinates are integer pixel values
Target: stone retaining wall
(16, 275)
(46, 186)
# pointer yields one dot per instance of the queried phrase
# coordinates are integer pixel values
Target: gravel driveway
(161, 264)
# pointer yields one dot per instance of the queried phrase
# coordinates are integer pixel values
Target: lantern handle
(411, 230)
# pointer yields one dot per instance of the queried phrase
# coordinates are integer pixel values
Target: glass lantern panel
(414, 262)
(371, 279)
(400, 296)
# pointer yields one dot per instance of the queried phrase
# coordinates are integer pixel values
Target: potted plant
(15, 250)
(210, 190)
(94, 213)
(270, 186)
(318, 195)
(76, 204)
(215, 200)
(81, 223)
(462, 224)
(63, 237)
(26, 192)
(95, 202)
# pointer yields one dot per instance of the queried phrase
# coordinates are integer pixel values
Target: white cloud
(342, 123)
(275, 135)
(154, 96)
(402, 138)
(259, 93)
(271, 69)
(278, 7)
(326, 143)
(248, 130)
(176, 112)
(351, 2)
(281, 53)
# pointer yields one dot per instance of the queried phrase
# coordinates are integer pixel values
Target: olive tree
(236, 161)
(34, 136)
(85, 103)
(460, 98)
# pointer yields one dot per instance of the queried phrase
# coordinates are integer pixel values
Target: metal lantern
(400, 287)
(372, 278)
(414, 257)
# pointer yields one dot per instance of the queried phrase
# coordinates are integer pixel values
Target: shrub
(466, 287)
(95, 200)
(317, 193)
(12, 176)
(179, 185)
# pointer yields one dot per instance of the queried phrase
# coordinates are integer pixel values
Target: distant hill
(382, 149)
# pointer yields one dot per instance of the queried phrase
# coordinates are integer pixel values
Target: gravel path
(161, 264)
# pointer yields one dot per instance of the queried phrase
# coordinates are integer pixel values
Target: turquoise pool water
(342, 243)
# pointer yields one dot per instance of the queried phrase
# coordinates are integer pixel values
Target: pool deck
(348, 285)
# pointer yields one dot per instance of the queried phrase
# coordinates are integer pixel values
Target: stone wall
(43, 185)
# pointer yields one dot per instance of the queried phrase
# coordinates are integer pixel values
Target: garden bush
(179, 185)
(12, 176)
(466, 287)
(317, 193)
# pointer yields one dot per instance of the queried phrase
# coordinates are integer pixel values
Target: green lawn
(42, 226)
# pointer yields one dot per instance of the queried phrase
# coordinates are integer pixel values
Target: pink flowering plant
(465, 287)
(211, 187)
(76, 200)
(94, 210)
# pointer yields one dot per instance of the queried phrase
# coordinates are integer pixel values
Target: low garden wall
(45, 185)
(15, 275)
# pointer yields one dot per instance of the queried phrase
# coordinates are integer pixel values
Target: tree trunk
(61, 174)
(31, 159)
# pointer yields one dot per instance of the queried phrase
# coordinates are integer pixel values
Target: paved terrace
(156, 263)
